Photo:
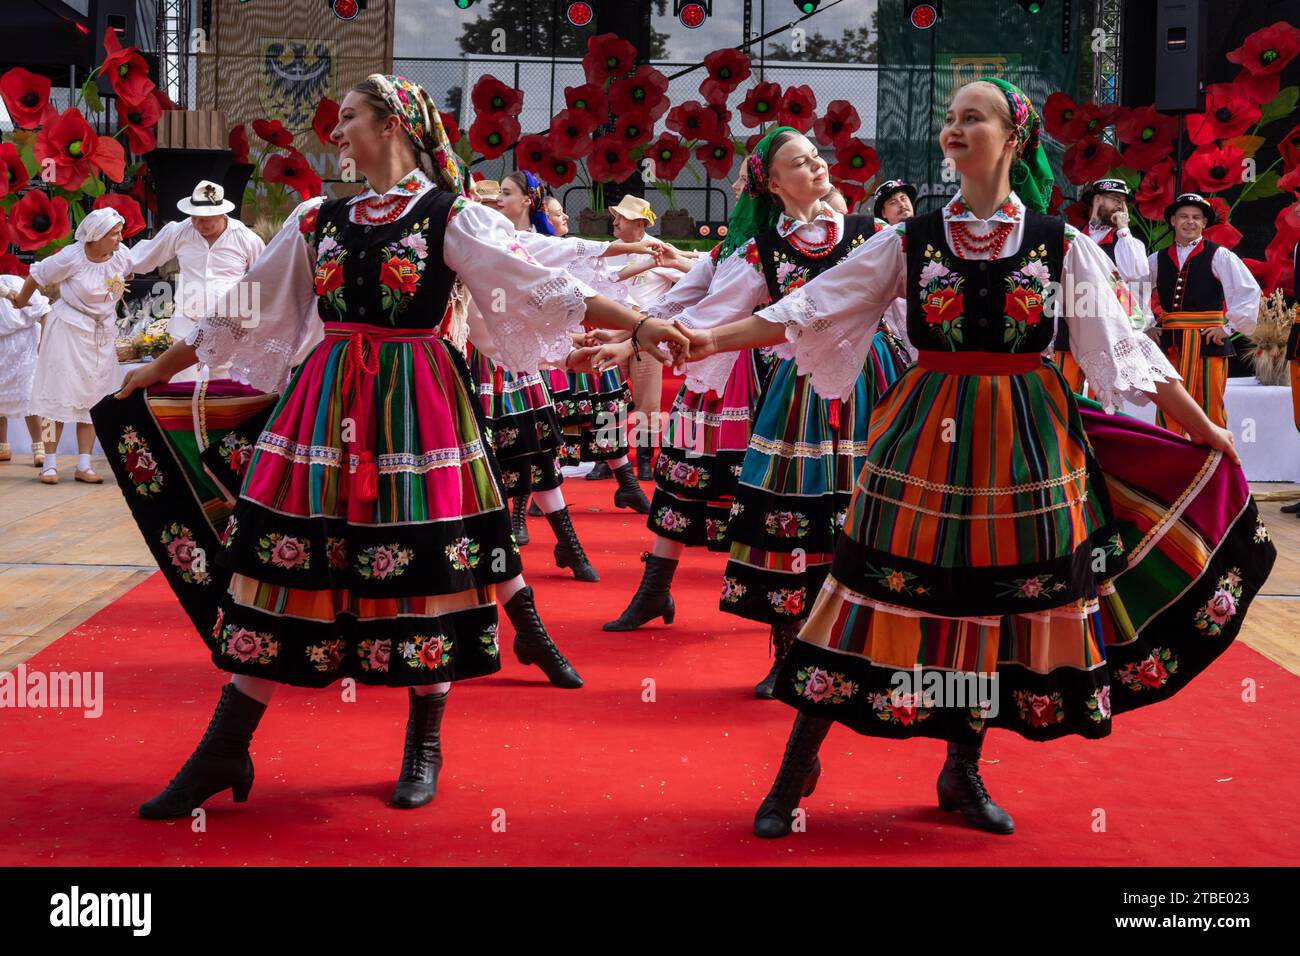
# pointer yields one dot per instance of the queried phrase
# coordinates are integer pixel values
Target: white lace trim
(831, 361)
(1129, 371)
(557, 306)
(222, 339)
(710, 374)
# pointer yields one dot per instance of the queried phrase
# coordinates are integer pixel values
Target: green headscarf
(757, 210)
(1031, 176)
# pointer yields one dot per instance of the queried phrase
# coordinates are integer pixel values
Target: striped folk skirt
(522, 423)
(1202, 365)
(699, 463)
(793, 494)
(1012, 560)
(593, 413)
(368, 530)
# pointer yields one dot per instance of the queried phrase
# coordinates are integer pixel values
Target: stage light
(923, 15)
(347, 9)
(1031, 6)
(692, 13)
(807, 6)
(579, 14)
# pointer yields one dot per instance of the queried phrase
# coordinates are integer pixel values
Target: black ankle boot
(1291, 509)
(221, 760)
(783, 637)
(533, 510)
(644, 457)
(652, 599)
(422, 755)
(517, 523)
(599, 472)
(629, 494)
(534, 646)
(961, 789)
(800, 770)
(568, 549)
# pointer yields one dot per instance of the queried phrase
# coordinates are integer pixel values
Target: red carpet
(599, 776)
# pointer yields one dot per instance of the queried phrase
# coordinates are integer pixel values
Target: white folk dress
(20, 331)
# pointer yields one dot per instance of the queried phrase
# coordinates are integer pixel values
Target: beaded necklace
(969, 246)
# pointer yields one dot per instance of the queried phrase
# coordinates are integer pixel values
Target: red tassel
(367, 478)
(833, 413)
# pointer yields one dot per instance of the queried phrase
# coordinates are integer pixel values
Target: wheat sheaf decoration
(1268, 341)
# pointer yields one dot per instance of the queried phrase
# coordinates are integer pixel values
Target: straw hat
(486, 189)
(630, 207)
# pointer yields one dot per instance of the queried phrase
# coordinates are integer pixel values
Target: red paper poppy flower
(1286, 227)
(1268, 50)
(127, 208)
(608, 56)
(238, 141)
(1272, 274)
(798, 108)
(11, 265)
(1076, 214)
(1288, 148)
(1093, 118)
(670, 156)
(1088, 158)
(13, 174)
(609, 161)
(449, 127)
(855, 160)
(590, 99)
(1291, 181)
(325, 119)
(1260, 87)
(1156, 191)
(1055, 200)
(1062, 118)
(37, 220)
(533, 153)
(1212, 168)
(26, 96)
(724, 119)
(491, 136)
(491, 97)
(141, 192)
(273, 132)
(559, 171)
(761, 105)
(727, 68)
(695, 121)
(1225, 234)
(1147, 135)
(753, 140)
(716, 157)
(140, 120)
(1229, 112)
(78, 152)
(293, 170)
(645, 90)
(4, 230)
(571, 133)
(838, 123)
(126, 70)
(633, 128)
(853, 193)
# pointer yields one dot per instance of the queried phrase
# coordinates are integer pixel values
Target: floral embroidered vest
(981, 305)
(785, 268)
(388, 275)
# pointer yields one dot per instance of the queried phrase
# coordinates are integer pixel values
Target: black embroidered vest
(785, 268)
(389, 275)
(970, 305)
(1193, 288)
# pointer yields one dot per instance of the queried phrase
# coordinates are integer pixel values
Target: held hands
(599, 337)
(699, 344)
(598, 358)
(654, 332)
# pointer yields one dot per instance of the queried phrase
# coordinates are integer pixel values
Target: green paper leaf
(90, 93)
(1280, 106)
(1265, 185)
(94, 187)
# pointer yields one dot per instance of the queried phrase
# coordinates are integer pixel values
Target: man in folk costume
(894, 201)
(1107, 203)
(214, 251)
(1293, 365)
(1204, 294)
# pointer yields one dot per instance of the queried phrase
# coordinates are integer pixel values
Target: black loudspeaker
(116, 15)
(1137, 45)
(1182, 41)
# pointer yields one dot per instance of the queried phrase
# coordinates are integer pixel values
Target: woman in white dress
(76, 364)
(20, 331)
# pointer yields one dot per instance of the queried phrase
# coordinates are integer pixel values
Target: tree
(527, 26)
(856, 45)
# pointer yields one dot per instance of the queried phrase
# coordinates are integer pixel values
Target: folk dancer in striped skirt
(1107, 203)
(1013, 557)
(1205, 294)
(368, 534)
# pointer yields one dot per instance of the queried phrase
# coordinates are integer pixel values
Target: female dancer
(1081, 564)
(370, 538)
(20, 332)
(76, 364)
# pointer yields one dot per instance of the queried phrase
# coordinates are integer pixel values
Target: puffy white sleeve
(737, 289)
(530, 307)
(688, 291)
(57, 267)
(1241, 292)
(267, 322)
(1131, 257)
(151, 253)
(833, 318)
(1120, 363)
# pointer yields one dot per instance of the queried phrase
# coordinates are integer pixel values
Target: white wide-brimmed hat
(208, 199)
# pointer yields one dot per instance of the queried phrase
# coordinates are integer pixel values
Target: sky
(430, 27)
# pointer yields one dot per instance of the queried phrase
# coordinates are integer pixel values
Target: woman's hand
(141, 377)
(700, 344)
(654, 332)
(1220, 439)
(599, 337)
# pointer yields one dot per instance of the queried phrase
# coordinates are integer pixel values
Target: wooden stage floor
(69, 549)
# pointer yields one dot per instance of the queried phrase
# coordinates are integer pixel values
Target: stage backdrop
(972, 40)
(277, 60)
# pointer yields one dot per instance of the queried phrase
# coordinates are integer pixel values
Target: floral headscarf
(419, 117)
(537, 196)
(1031, 176)
(757, 210)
